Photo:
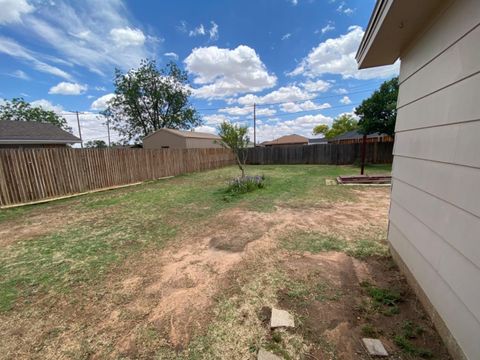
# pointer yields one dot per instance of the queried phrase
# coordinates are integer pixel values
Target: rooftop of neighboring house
(186, 133)
(318, 141)
(354, 134)
(286, 140)
(31, 132)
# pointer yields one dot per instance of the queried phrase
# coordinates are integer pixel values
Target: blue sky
(295, 54)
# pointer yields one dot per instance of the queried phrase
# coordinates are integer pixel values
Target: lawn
(175, 268)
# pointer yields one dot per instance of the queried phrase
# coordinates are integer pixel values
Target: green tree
(236, 139)
(340, 125)
(98, 144)
(18, 109)
(147, 99)
(379, 112)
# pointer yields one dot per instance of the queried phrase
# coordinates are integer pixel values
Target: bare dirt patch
(164, 299)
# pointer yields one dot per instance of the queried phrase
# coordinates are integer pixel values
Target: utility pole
(108, 130)
(254, 125)
(79, 129)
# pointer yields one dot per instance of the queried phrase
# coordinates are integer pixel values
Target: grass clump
(245, 184)
(386, 300)
(368, 330)
(410, 331)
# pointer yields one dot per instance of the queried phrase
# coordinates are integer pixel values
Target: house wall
(198, 143)
(161, 139)
(435, 210)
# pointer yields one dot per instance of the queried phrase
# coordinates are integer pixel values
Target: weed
(408, 347)
(368, 330)
(385, 299)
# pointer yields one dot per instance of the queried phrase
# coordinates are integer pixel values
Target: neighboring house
(353, 137)
(180, 139)
(434, 228)
(287, 140)
(23, 134)
(317, 141)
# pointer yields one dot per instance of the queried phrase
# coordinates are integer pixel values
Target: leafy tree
(147, 99)
(235, 137)
(19, 110)
(98, 144)
(340, 125)
(379, 112)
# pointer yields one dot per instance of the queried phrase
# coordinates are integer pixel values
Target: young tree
(98, 144)
(340, 125)
(19, 110)
(379, 112)
(147, 99)
(235, 137)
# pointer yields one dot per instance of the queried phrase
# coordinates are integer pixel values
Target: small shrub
(245, 184)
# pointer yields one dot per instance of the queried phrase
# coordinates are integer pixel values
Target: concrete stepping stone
(267, 355)
(281, 318)
(374, 347)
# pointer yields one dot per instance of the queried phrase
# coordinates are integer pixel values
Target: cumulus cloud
(316, 86)
(308, 105)
(284, 94)
(171, 55)
(12, 10)
(124, 37)
(206, 129)
(337, 56)
(345, 100)
(102, 102)
(216, 119)
(66, 88)
(248, 110)
(226, 72)
(199, 30)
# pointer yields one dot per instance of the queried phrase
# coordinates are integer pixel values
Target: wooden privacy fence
(28, 175)
(328, 154)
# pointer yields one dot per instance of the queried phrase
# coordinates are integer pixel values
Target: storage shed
(180, 139)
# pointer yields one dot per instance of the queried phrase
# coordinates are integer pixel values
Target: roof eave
(391, 28)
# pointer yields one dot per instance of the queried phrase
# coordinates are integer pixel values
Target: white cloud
(206, 129)
(341, 91)
(224, 72)
(284, 94)
(286, 36)
(345, 100)
(248, 110)
(213, 32)
(100, 88)
(294, 2)
(101, 102)
(302, 125)
(124, 37)
(308, 105)
(327, 28)
(199, 30)
(66, 88)
(12, 48)
(344, 9)
(47, 105)
(216, 119)
(20, 75)
(337, 56)
(12, 10)
(90, 34)
(316, 86)
(171, 55)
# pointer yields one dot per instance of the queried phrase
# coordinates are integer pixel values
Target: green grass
(385, 300)
(316, 242)
(110, 226)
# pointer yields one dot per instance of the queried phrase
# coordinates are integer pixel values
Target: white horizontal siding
(460, 229)
(454, 313)
(455, 143)
(459, 102)
(451, 25)
(462, 60)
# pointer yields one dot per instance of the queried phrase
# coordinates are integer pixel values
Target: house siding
(162, 139)
(435, 209)
(198, 143)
